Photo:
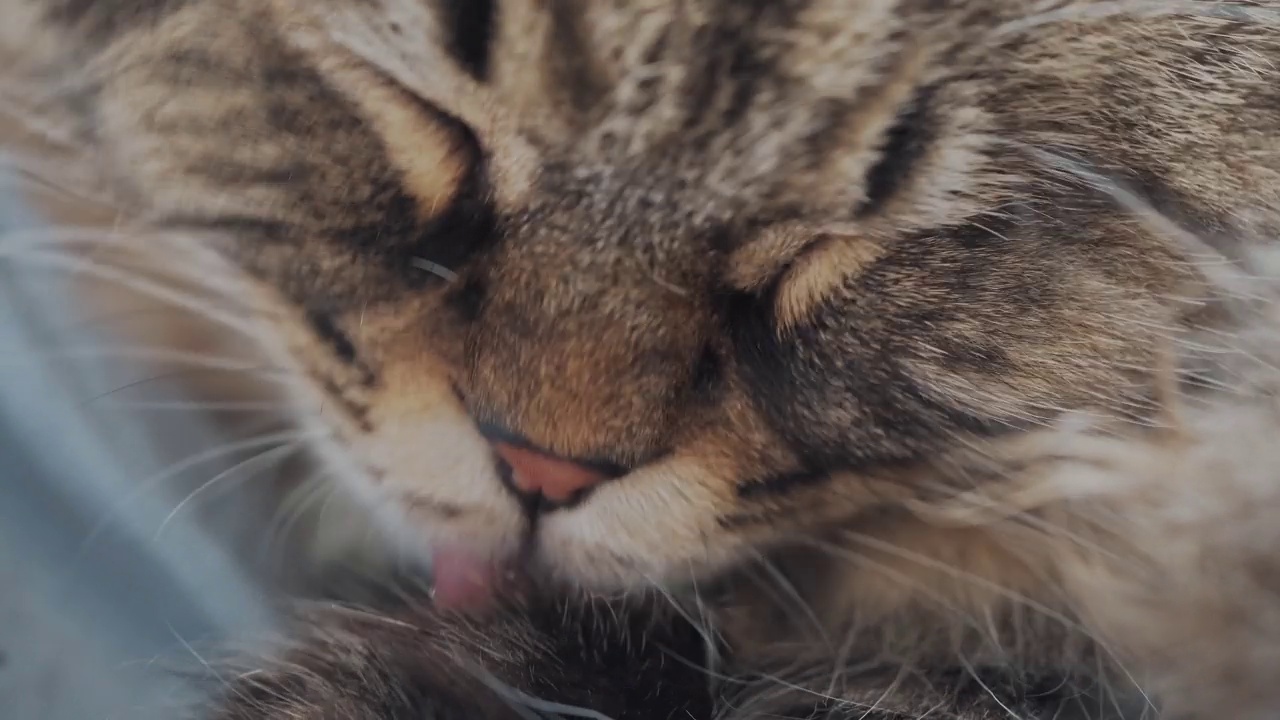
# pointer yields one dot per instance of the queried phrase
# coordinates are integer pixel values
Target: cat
(882, 330)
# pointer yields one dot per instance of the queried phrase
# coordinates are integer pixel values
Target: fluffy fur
(904, 304)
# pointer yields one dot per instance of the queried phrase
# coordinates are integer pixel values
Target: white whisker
(522, 702)
(295, 507)
(147, 287)
(434, 268)
(194, 460)
(156, 355)
(193, 406)
(987, 689)
(796, 598)
(265, 458)
(1096, 11)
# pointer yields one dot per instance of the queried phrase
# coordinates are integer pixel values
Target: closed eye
(441, 168)
(452, 237)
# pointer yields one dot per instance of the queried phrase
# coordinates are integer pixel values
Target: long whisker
(73, 235)
(779, 680)
(987, 689)
(899, 577)
(523, 702)
(1096, 11)
(957, 573)
(207, 665)
(80, 246)
(260, 461)
(980, 509)
(142, 285)
(997, 588)
(146, 310)
(1222, 274)
(159, 355)
(293, 509)
(267, 374)
(703, 628)
(226, 284)
(199, 458)
(792, 594)
(50, 176)
(37, 124)
(228, 406)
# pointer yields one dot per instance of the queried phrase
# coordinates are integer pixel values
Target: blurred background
(153, 506)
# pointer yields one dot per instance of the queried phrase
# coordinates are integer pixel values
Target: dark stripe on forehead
(902, 149)
(731, 61)
(573, 61)
(470, 24)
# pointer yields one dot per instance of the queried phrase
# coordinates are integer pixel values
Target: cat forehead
(633, 202)
(746, 102)
(618, 77)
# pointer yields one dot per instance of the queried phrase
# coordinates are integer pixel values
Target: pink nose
(537, 474)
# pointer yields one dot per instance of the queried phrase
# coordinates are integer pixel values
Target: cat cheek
(438, 482)
(656, 526)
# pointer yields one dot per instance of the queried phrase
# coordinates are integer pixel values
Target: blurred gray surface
(101, 616)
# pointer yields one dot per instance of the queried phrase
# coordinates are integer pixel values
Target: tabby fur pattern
(927, 341)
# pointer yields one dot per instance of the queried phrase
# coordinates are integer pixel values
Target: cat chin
(594, 549)
(476, 559)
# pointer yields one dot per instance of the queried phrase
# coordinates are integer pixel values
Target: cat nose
(536, 474)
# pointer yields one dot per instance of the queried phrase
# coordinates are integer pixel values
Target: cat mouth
(465, 581)
(466, 578)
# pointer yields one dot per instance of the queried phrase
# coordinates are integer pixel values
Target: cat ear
(755, 263)
(801, 267)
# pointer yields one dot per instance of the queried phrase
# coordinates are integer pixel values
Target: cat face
(637, 290)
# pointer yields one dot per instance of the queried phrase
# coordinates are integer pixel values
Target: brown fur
(804, 271)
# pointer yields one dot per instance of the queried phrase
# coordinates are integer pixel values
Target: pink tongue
(463, 581)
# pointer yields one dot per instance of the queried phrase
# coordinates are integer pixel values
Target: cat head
(643, 288)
